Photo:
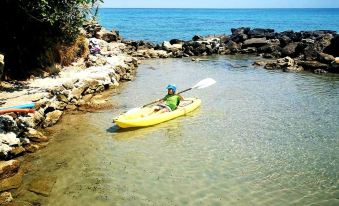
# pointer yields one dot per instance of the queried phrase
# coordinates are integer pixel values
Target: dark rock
(233, 47)
(260, 33)
(290, 50)
(197, 38)
(333, 47)
(176, 41)
(313, 65)
(239, 37)
(241, 30)
(249, 50)
(325, 58)
(334, 67)
(8, 124)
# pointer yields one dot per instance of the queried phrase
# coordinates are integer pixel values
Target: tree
(32, 31)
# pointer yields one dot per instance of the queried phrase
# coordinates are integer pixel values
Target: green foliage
(34, 28)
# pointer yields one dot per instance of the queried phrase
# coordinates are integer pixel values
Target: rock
(255, 42)
(35, 135)
(325, 58)
(8, 168)
(52, 118)
(320, 71)
(197, 38)
(42, 185)
(260, 33)
(249, 50)
(241, 30)
(17, 151)
(4, 150)
(5, 197)
(172, 48)
(290, 50)
(31, 148)
(9, 139)
(176, 41)
(259, 63)
(332, 49)
(313, 65)
(11, 182)
(233, 47)
(26, 121)
(68, 85)
(8, 124)
(286, 64)
(2, 64)
(107, 35)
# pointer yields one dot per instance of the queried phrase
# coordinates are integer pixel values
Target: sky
(220, 4)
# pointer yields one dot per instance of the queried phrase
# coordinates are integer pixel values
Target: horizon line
(216, 8)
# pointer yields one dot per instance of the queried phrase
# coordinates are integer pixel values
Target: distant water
(158, 25)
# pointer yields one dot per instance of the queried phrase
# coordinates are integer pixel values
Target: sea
(157, 25)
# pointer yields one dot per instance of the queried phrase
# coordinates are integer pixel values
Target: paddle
(200, 85)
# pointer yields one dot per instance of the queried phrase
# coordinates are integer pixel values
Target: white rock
(9, 139)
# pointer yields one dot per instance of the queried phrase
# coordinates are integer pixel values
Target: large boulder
(290, 50)
(171, 47)
(255, 42)
(108, 36)
(5, 198)
(333, 47)
(260, 33)
(52, 118)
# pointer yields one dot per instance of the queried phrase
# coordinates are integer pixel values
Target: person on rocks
(94, 47)
(170, 102)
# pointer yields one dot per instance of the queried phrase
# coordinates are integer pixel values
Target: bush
(41, 30)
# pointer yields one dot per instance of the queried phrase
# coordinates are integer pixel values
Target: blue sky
(221, 4)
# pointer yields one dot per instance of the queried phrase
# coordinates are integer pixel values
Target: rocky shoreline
(116, 60)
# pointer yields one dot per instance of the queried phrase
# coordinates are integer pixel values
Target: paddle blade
(204, 83)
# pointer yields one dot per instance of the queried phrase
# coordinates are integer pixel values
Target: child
(170, 102)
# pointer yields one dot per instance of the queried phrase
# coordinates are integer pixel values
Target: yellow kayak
(143, 117)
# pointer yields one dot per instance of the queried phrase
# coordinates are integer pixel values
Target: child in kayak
(170, 102)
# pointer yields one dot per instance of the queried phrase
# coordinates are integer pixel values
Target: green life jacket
(172, 100)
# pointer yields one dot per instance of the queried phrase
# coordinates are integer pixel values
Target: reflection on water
(260, 138)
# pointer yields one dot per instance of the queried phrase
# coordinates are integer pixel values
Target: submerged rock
(42, 185)
(11, 182)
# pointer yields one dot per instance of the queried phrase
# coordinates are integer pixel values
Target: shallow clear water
(158, 25)
(260, 138)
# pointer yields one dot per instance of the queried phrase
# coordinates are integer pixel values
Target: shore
(76, 86)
